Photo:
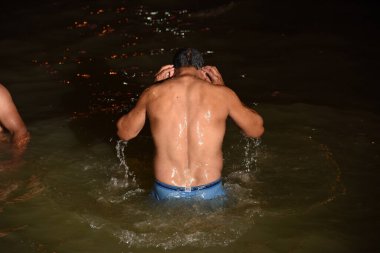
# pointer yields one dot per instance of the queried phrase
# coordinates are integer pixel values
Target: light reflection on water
(102, 187)
(146, 223)
(143, 223)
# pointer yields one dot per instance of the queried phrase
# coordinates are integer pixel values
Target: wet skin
(187, 111)
(11, 121)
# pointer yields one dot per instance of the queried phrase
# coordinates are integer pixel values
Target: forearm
(129, 125)
(126, 129)
(20, 141)
(250, 122)
(256, 129)
(125, 135)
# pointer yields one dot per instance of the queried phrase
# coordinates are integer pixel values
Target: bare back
(187, 114)
(187, 117)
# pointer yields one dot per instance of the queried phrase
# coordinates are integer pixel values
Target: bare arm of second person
(11, 120)
(249, 121)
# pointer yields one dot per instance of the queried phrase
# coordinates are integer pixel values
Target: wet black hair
(187, 57)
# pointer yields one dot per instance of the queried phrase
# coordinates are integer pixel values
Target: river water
(308, 67)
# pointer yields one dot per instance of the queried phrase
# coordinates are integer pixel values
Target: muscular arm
(11, 120)
(249, 121)
(129, 125)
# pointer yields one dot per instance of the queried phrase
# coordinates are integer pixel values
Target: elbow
(260, 132)
(125, 136)
(257, 130)
(255, 133)
(123, 132)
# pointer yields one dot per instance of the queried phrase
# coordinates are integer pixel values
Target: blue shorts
(212, 190)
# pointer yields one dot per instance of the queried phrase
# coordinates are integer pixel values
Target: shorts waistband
(193, 188)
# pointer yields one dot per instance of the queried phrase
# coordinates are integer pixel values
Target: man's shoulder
(159, 86)
(222, 89)
(150, 90)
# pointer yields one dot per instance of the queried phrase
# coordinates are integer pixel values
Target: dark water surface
(309, 67)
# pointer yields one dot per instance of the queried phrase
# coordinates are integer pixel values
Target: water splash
(202, 225)
(250, 153)
(129, 178)
(120, 147)
(144, 224)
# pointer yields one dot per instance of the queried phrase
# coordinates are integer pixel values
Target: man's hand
(212, 74)
(164, 73)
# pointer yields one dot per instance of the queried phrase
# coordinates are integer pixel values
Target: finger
(210, 74)
(165, 67)
(171, 72)
(214, 74)
(207, 70)
(159, 77)
(204, 76)
(162, 73)
(165, 74)
(211, 70)
(165, 71)
(214, 70)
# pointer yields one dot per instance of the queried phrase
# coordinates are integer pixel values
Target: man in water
(187, 109)
(11, 122)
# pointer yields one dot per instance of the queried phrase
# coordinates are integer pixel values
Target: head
(188, 57)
